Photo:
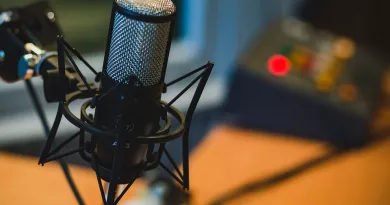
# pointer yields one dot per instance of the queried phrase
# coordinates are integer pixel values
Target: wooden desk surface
(229, 158)
(226, 159)
(24, 182)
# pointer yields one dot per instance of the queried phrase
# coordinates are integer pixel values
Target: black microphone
(129, 120)
(136, 58)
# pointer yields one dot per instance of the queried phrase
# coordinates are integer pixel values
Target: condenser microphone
(132, 82)
(130, 125)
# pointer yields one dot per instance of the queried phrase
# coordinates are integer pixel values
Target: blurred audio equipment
(363, 21)
(307, 82)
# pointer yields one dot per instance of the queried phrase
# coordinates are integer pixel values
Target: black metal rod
(78, 70)
(185, 89)
(149, 154)
(63, 155)
(190, 113)
(125, 190)
(63, 144)
(82, 144)
(186, 75)
(45, 125)
(171, 173)
(38, 106)
(264, 184)
(155, 164)
(61, 68)
(116, 168)
(50, 135)
(79, 56)
(172, 161)
(71, 183)
(99, 180)
(107, 184)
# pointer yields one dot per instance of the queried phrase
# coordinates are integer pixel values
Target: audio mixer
(303, 81)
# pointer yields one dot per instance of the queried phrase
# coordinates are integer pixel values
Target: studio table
(227, 159)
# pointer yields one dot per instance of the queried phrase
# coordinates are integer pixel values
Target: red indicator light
(279, 65)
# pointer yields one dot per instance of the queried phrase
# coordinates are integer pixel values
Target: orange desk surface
(229, 158)
(24, 182)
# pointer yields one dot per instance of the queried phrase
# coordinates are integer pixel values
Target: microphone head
(137, 47)
(148, 7)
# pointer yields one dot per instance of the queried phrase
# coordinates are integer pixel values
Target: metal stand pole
(45, 125)
(118, 190)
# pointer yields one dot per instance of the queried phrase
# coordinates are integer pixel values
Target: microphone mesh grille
(139, 48)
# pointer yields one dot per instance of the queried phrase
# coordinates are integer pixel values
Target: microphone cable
(45, 124)
(263, 184)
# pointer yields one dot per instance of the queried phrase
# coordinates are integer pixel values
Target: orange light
(29, 74)
(344, 48)
(324, 83)
(348, 92)
(279, 65)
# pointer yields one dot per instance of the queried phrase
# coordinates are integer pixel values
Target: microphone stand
(118, 190)
(64, 166)
(84, 90)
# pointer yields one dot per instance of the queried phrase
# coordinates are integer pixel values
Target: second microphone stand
(45, 124)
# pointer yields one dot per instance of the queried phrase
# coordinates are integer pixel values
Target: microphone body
(135, 64)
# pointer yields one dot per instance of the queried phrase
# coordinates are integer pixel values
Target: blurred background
(311, 69)
(206, 30)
